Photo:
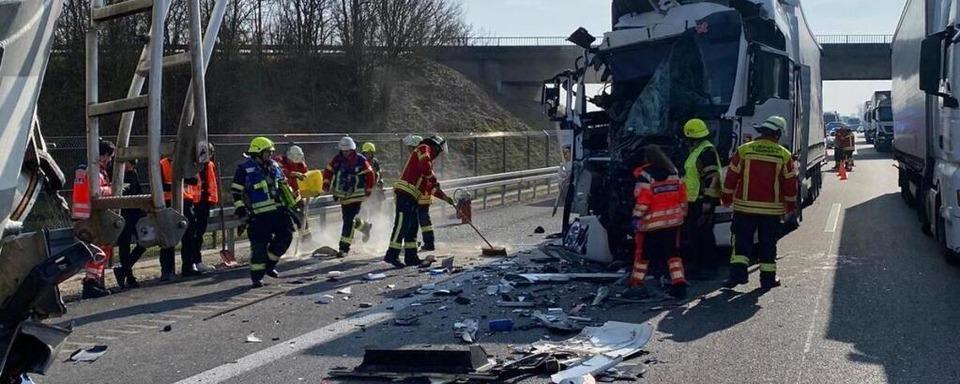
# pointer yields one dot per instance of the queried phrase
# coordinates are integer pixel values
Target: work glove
(449, 200)
(241, 212)
(298, 175)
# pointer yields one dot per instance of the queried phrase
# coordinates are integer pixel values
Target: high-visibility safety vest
(261, 189)
(417, 178)
(81, 207)
(761, 179)
(166, 174)
(661, 204)
(692, 177)
(350, 178)
(207, 181)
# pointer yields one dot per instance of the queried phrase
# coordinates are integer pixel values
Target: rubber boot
(92, 290)
(738, 276)
(120, 274)
(768, 280)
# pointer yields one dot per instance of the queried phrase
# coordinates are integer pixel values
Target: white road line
(141, 326)
(296, 345)
(165, 321)
(175, 316)
(833, 219)
(123, 331)
(100, 337)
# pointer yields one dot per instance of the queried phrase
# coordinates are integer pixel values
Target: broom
(489, 250)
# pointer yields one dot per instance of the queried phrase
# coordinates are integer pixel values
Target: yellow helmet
(696, 129)
(369, 148)
(260, 144)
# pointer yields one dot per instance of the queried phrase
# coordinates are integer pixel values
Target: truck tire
(905, 194)
(925, 219)
(952, 257)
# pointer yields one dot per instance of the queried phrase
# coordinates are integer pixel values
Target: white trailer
(926, 68)
(732, 64)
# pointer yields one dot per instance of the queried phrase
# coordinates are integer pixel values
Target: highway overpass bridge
(517, 66)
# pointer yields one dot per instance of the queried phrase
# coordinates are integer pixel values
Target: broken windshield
(659, 84)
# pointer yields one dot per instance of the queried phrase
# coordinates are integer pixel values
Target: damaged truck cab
(732, 63)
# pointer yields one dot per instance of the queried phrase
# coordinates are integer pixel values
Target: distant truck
(868, 129)
(882, 121)
(926, 70)
(732, 64)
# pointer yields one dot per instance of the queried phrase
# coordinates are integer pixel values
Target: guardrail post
(232, 241)
(485, 192)
(528, 153)
(503, 152)
(476, 155)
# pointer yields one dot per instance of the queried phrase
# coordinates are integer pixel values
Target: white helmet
(412, 140)
(347, 144)
(295, 154)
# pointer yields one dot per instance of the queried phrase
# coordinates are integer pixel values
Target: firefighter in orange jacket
(93, 282)
(167, 255)
(761, 184)
(205, 194)
(658, 216)
(845, 143)
(416, 180)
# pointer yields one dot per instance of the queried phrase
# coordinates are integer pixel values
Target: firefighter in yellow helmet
(262, 196)
(701, 175)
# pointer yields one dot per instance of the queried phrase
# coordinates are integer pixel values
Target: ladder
(163, 225)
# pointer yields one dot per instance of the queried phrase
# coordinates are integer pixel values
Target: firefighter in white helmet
(350, 178)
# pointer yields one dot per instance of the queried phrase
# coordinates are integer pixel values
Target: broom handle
(223, 226)
(470, 222)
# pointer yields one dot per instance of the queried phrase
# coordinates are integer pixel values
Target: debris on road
(448, 292)
(599, 348)
(345, 291)
(88, 355)
(462, 300)
(375, 276)
(537, 278)
(601, 295)
(167, 328)
(324, 252)
(500, 325)
(252, 338)
(466, 330)
(539, 230)
(447, 263)
(366, 305)
(325, 299)
(430, 364)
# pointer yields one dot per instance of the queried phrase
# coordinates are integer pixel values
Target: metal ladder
(163, 225)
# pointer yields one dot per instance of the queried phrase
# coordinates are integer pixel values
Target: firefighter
(93, 279)
(124, 272)
(416, 179)
(350, 178)
(262, 197)
(702, 181)
(661, 204)
(844, 145)
(205, 193)
(412, 141)
(377, 197)
(167, 255)
(294, 167)
(761, 184)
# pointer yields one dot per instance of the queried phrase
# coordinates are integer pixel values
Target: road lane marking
(141, 326)
(175, 316)
(100, 337)
(164, 321)
(833, 219)
(123, 331)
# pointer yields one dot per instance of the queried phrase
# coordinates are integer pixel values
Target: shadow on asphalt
(710, 315)
(894, 296)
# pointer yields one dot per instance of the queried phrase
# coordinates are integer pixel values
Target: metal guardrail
(323, 206)
(537, 41)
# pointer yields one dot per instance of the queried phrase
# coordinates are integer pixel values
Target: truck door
(770, 91)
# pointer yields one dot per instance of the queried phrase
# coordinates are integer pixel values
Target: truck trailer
(881, 113)
(731, 63)
(926, 68)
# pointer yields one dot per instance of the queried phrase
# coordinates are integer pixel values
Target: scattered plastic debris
(539, 230)
(252, 338)
(500, 325)
(324, 252)
(447, 263)
(333, 275)
(438, 271)
(448, 292)
(167, 328)
(391, 286)
(325, 299)
(375, 276)
(601, 295)
(407, 321)
(88, 355)
(366, 305)
(536, 278)
(346, 291)
(466, 330)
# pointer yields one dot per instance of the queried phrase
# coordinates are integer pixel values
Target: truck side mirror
(931, 61)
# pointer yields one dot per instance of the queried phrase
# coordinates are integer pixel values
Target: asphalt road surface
(867, 298)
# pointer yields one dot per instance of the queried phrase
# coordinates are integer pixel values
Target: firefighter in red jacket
(294, 167)
(416, 180)
(845, 143)
(351, 179)
(761, 184)
(661, 199)
(93, 282)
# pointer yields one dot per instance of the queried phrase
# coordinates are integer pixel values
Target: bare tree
(404, 25)
(303, 25)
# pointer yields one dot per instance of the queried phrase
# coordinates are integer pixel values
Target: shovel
(304, 231)
(489, 250)
(226, 256)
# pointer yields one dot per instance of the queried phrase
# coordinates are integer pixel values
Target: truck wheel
(905, 194)
(925, 222)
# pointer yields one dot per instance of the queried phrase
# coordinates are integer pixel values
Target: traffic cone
(842, 170)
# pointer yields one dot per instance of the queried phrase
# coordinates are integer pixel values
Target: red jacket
(661, 199)
(289, 167)
(761, 179)
(845, 139)
(417, 178)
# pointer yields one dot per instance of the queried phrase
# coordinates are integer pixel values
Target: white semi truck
(881, 123)
(926, 73)
(731, 63)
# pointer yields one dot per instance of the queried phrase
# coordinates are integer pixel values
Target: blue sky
(560, 17)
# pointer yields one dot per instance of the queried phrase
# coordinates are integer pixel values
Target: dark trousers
(193, 239)
(426, 225)
(404, 234)
(127, 257)
(349, 213)
(767, 229)
(270, 235)
(167, 255)
(700, 244)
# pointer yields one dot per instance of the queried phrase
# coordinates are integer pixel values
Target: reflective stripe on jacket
(761, 179)
(350, 178)
(701, 172)
(261, 189)
(417, 178)
(660, 202)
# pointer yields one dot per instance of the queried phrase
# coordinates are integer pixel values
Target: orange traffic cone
(842, 170)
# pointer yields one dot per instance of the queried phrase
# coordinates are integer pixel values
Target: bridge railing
(538, 41)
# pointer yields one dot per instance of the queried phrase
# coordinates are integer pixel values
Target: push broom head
(494, 251)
